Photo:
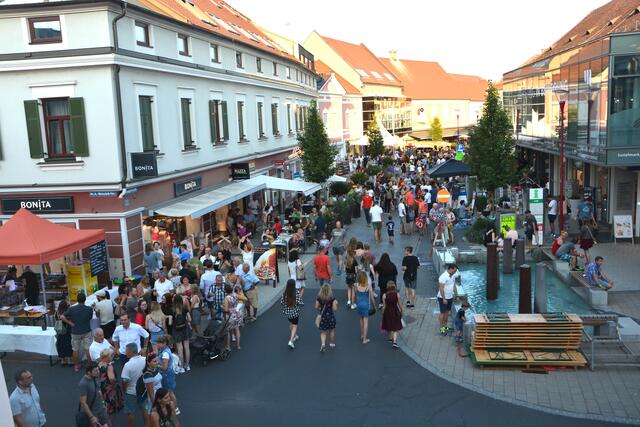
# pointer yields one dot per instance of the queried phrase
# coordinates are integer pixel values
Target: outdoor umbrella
(448, 169)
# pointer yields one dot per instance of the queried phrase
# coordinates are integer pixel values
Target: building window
(259, 64)
(219, 121)
(142, 34)
(260, 119)
(274, 119)
(289, 73)
(215, 54)
(185, 114)
(289, 127)
(275, 68)
(241, 133)
(239, 60)
(183, 45)
(45, 30)
(57, 125)
(146, 123)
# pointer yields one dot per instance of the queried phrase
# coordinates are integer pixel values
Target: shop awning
(201, 204)
(274, 183)
(448, 169)
(28, 239)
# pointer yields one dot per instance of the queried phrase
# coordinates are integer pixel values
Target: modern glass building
(595, 70)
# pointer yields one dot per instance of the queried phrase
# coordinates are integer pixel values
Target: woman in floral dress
(109, 384)
(234, 313)
(326, 305)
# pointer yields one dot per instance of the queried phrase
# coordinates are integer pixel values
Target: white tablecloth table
(31, 339)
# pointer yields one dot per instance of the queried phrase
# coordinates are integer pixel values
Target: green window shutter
(146, 123)
(260, 122)
(34, 132)
(78, 127)
(241, 119)
(186, 121)
(274, 118)
(225, 120)
(213, 121)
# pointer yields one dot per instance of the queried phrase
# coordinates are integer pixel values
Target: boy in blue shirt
(390, 227)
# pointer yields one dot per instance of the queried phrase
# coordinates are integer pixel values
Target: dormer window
(45, 30)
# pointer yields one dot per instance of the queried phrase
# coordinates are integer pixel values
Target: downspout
(123, 148)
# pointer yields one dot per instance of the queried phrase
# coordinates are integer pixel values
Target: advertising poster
(265, 263)
(536, 206)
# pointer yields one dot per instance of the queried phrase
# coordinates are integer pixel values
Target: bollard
(524, 300)
(519, 252)
(507, 257)
(492, 271)
(540, 292)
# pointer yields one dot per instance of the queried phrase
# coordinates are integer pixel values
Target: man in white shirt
(162, 286)
(376, 220)
(207, 255)
(208, 279)
(131, 371)
(98, 344)
(128, 333)
(446, 292)
(552, 213)
(104, 311)
(402, 213)
(511, 234)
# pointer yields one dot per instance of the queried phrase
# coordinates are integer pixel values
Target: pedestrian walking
(392, 313)
(367, 202)
(338, 239)
(402, 213)
(386, 272)
(376, 220)
(233, 309)
(63, 336)
(291, 302)
(322, 266)
(166, 368)
(25, 402)
(91, 411)
(109, 384)
(410, 265)
(326, 305)
(390, 229)
(350, 268)
(296, 271)
(79, 318)
(587, 239)
(364, 301)
(134, 399)
(163, 412)
(181, 333)
(446, 293)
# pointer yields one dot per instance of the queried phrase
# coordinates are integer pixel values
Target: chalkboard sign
(98, 258)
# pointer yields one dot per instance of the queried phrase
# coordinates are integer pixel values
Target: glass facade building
(599, 82)
(394, 112)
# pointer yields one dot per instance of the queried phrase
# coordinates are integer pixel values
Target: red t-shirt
(367, 201)
(278, 227)
(321, 263)
(410, 199)
(555, 246)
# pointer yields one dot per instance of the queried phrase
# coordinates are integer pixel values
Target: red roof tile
(428, 80)
(217, 17)
(324, 70)
(369, 66)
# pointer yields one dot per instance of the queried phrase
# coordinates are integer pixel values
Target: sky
(485, 38)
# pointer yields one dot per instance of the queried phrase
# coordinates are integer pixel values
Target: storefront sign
(536, 206)
(240, 171)
(507, 220)
(38, 204)
(625, 156)
(98, 258)
(187, 186)
(144, 165)
(102, 194)
(279, 163)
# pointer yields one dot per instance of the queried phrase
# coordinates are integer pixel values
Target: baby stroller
(210, 344)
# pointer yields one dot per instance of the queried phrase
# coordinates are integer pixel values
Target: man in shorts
(410, 265)
(402, 213)
(250, 291)
(79, 317)
(376, 219)
(131, 371)
(446, 293)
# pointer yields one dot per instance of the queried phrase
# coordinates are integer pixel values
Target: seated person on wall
(595, 275)
(559, 241)
(567, 252)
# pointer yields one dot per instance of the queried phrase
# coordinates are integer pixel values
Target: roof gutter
(121, 134)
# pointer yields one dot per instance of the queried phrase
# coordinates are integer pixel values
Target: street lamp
(560, 95)
(457, 125)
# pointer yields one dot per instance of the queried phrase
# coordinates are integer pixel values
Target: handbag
(81, 418)
(300, 272)
(60, 327)
(372, 309)
(319, 316)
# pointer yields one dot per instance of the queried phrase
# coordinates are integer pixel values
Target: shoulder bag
(319, 316)
(300, 271)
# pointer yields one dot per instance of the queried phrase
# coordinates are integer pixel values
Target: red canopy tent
(28, 239)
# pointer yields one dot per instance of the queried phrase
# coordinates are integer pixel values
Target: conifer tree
(318, 157)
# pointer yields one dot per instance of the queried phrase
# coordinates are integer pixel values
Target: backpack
(180, 321)
(141, 387)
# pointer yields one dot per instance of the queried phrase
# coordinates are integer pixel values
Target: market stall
(27, 239)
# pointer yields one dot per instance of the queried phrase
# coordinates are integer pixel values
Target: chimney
(393, 54)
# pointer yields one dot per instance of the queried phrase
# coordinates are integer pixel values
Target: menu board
(98, 258)
(623, 227)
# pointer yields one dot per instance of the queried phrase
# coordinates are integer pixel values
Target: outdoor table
(32, 317)
(31, 339)
(283, 240)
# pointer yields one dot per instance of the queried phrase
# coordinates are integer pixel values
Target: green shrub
(475, 234)
(386, 162)
(481, 203)
(373, 170)
(339, 188)
(359, 178)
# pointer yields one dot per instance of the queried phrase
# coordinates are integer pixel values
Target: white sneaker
(187, 368)
(353, 306)
(348, 303)
(291, 346)
(181, 370)
(295, 338)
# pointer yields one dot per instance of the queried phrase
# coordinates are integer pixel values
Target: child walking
(390, 228)
(460, 320)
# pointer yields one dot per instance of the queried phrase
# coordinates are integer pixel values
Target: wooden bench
(595, 296)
